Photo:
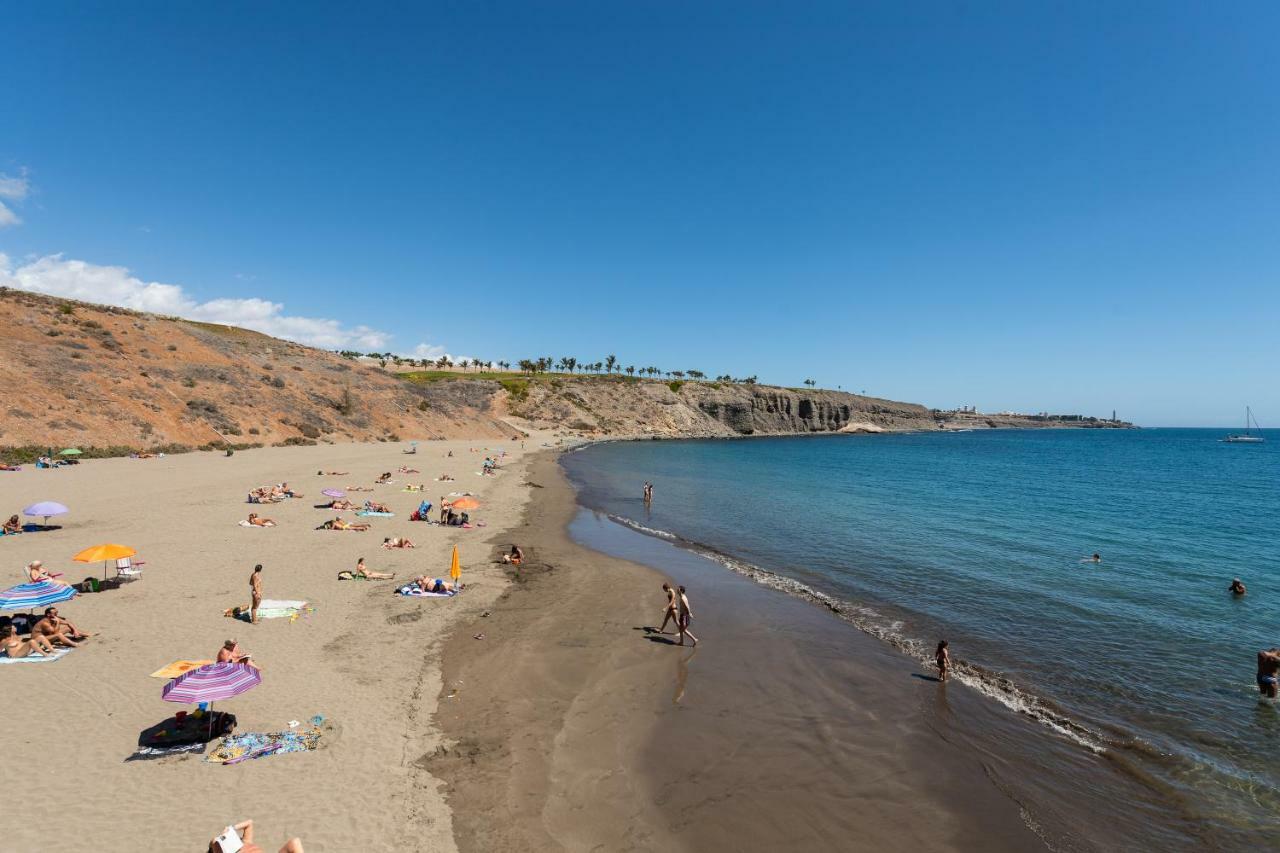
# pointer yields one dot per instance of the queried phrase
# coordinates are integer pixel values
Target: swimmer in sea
(1236, 588)
(1269, 672)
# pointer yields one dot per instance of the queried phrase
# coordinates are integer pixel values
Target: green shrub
(517, 388)
(674, 385)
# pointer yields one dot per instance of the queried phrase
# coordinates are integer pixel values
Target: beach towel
(150, 753)
(367, 513)
(179, 667)
(250, 745)
(37, 657)
(415, 592)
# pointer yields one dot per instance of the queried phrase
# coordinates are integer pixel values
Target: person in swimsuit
(255, 592)
(363, 571)
(244, 830)
(13, 525)
(397, 542)
(673, 609)
(942, 656)
(686, 614)
(427, 584)
(260, 522)
(1236, 588)
(57, 630)
(1269, 673)
(16, 648)
(37, 574)
(515, 556)
(232, 653)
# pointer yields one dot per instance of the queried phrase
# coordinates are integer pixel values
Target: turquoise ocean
(981, 538)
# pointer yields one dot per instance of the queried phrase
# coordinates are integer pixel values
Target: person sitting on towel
(515, 557)
(16, 648)
(385, 478)
(13, 525)
(232, 653)
(55, 629)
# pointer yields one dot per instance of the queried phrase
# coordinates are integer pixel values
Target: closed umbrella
(455, 565)
(333, 493)
(45, 510)
(29, 596)
(211, 683)
(104, 554)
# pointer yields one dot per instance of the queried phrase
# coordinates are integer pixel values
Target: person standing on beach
(686, 614)
(673, 609)
(943, 658)
(255, 592)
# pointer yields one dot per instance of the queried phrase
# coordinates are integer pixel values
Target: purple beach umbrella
(45, 509)
(211, 682)
(333, 493)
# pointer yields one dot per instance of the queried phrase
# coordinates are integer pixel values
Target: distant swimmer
(1236, 588)
(943, 658)
(1269, 672)
(1096, 558)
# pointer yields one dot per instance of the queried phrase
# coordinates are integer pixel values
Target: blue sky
(1027, 206)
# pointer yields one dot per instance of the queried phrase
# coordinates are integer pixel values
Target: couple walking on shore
(679, 611)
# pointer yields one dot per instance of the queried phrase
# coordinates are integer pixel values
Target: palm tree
(610, 362)
(631, 370)
(572, 363)
(678, 374)
(695, 374)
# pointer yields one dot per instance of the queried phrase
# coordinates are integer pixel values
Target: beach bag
(90, 585)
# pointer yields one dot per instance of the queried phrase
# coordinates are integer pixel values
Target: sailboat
(1248, 436)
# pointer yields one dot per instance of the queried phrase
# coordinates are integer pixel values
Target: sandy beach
(366, 660)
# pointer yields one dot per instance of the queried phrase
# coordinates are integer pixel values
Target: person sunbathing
(363, 571)
(244, 832)
(232, 653)
(13, 525)
(385, 478)
(55, 629)
(374, 506)
(427, 584)
(339, 524)
(260, 522)
(16, 648)
(444, 478)
(397, 542)
(409, 487)
(359, 489)
(37, 574)
(341, 503)
(5, 466)
(332, 473)
(404, 470)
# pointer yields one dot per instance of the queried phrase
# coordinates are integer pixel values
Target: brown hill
(83, 374)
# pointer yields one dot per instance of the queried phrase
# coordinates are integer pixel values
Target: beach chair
(127, 570)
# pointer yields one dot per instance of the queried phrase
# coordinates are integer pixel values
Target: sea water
(983, 538)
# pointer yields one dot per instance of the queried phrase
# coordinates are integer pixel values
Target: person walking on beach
(1269, 672)
(673, 609)
(255, 592)
(943, 658)
(686, 614)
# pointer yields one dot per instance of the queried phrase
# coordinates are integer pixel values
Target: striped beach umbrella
(211, 683)
(29, 596)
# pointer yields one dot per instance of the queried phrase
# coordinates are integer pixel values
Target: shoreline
(784, 727)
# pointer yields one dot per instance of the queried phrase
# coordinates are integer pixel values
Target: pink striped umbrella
(211, 683)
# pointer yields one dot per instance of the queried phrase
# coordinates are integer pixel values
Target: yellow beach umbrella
(455, 566)
(104, 554)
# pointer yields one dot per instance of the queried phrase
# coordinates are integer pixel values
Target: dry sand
(365, 659)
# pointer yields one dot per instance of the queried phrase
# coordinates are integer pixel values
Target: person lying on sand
(359, 489)
(374, 506)
(385, 478)
(244, 832)
(232, 653)
(515, 556)
(13, 525)
(37, 574)
(397, 542)
(5, 466)
(444, 478)
(427, 584)
(409, 487)
(288, 492)
(260, 522)
(340, 503)
(339, 524)
(55, 629)
(16, 648)
(404, 470)
(363, 571)
(332, 473)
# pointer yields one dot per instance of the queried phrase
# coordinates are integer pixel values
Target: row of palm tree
(566, 364)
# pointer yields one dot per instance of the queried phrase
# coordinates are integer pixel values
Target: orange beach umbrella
(465, 503)
(104, 553)
(455, 565)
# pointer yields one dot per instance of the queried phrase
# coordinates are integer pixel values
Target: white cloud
(425, 350)
(58, 276)
(13, 189)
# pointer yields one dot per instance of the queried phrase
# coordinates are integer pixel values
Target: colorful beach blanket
(179, 667)
(58, 654)
(367, 513)
(243, 747)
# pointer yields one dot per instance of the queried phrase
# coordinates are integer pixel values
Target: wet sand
(571, 727)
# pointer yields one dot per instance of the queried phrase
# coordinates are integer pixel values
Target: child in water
(943, 658)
